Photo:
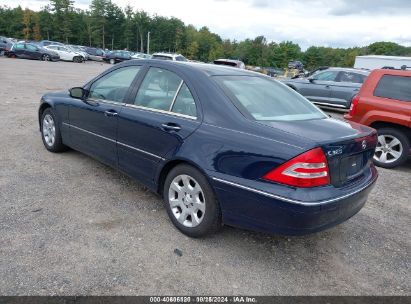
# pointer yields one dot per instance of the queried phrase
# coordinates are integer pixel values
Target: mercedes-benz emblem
(364, 144)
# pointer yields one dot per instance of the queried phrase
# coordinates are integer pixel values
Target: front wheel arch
(42, 108)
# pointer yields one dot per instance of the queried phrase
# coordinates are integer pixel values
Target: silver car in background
(333, 87)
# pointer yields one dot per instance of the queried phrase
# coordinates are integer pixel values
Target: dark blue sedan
(220, 145)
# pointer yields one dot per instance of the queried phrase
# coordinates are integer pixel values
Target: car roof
(205, 68)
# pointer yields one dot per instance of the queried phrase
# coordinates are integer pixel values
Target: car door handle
(110, 113)
(170, 127)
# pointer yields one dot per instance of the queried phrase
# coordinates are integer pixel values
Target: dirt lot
(72, 226)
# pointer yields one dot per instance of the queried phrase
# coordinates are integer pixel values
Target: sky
(334, 23)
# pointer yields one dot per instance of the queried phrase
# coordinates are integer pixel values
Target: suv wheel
(393, 148)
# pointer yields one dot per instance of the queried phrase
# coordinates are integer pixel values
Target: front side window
(158, 89)
(114, 86)
(394, 87)
(326, 76)
(266, 100)
(19, 46)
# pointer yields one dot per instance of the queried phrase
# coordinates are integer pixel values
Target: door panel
(348, 85)
(319, 88)
(93, 123)
(94, 132)
(161, 117)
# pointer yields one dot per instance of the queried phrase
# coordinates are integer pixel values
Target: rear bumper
(261, 212)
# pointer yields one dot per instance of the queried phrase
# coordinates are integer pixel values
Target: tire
(50, 132)
(112, 61)
(78, 59)
(46, 57)
(203, 215)
(395, 145)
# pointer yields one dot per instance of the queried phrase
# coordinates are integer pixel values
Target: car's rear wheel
(393, 148)
(190, 202)
(50, 132)
(46, 57)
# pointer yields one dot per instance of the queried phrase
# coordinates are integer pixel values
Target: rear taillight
(309, 169)
(354, 104)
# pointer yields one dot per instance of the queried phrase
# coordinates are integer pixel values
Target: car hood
(321, 131)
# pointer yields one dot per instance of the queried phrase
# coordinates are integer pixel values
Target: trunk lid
(349, 147)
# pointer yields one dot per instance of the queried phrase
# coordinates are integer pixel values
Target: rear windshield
(394, 87)
(267, 100)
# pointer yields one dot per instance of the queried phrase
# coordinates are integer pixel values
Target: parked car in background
(79, 49)
(117, 56)
(230, 62)
(66, 53)
(5, 45)
(138, 55)
(296, 65)
(95, 54)
(32, 51)
(169, 56)
(44, 43)
(384, 103)
(334, 87)
(220, 145)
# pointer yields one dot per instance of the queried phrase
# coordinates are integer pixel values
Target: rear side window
(394, 87)
(352, 77)
(158, 89)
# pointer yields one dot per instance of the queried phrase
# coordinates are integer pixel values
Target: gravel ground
(70, 225)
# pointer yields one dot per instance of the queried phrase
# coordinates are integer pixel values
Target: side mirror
(77, 92)
(312, 80)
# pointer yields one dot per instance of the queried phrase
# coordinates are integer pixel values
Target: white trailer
(372, 62)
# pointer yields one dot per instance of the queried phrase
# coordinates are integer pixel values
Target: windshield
(268, 100)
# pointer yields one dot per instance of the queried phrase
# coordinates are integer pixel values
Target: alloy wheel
(49, 130)
(187, 201)
(389, 149)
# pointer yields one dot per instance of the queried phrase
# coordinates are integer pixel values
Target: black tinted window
(394, 87)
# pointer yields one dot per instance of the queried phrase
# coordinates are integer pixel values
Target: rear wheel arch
(165, 170)
(383, 124)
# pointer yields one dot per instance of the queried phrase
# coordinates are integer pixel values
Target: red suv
(384, 103)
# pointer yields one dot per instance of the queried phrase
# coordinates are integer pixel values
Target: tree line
(104, 24)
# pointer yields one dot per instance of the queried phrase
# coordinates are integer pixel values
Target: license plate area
(352, 166)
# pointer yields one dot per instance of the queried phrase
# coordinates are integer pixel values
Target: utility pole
(148, 43)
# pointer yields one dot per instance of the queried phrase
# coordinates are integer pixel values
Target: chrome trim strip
(329, 104)
(291, 200)
(161, 111)
(142, 151)
(113, 141)
(80, 129)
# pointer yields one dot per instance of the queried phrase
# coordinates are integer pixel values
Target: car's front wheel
(190, 202)
(50, 132)
(393, 148)
(112, 61)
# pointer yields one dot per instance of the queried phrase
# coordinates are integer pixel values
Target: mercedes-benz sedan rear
(220, 145)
